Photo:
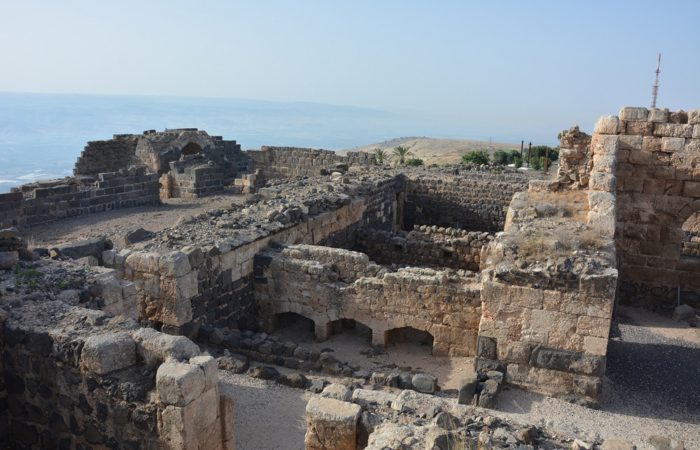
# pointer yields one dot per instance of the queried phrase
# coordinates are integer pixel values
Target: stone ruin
(521, 273)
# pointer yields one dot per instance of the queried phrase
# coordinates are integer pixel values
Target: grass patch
(566, 204)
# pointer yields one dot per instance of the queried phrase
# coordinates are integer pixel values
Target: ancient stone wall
(327, 285)
(78, 383)
(287, 162)
(425, 246)
(691, 244)
(658, 188)
(470, 201)
(43, 202)
(107, 156)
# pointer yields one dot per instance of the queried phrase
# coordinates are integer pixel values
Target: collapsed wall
(287, 162)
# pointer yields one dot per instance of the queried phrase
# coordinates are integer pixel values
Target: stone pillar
(194, 414)
(331, 424)
(380, 337)
(323, 331)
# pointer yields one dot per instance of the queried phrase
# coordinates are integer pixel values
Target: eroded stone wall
(327, 285)
(111, 155)
(287, 162)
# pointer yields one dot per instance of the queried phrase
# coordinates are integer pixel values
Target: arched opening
(191, 149)
(410, 340)
(295, 327)
(352, 327)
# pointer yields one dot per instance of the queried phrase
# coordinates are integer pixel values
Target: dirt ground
(116, 223)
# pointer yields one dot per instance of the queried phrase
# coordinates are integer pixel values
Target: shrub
(414, 162)
(500, 157)
(477, 157)
(517, 162)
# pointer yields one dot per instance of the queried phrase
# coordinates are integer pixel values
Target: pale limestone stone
(595, 346)
(179, 289)
(602, 202)
(331, 424)
(106, 353)
(8, 260)
(545, 321)
(671, 144)
(659, 115)
(182, 426)
(635, 114)
(605, 163)
(631, 142)
(337, 392)
(606, 125)
(692, 146)
(179, 384)
(155, 348)
(601, 223)
(696, 132)
(593, 326)
(142, 262)
(210, 367)
(226, 416)
(71, 297)
(544, 381)
(363, 397)
(694, 116)
(174, 265)
(605, 145)
(602, 182)
(415, 401)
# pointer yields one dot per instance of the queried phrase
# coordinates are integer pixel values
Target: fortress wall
(44, 202)
(81, 384)
(326, 285)
(432, 247)
(107, 156)
(658, 189)
(288, 162)
(470, 201)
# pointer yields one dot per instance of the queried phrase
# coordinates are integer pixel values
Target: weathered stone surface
(683, 312)
(634, 114)
(467, 389)
(293, 380)
(616, 444)
(179, 383)
(567, 361)
(424, 383)
(672, 144)
(659, 115)
(331, 424)
(8, 260)
(138, 235)
(486, 347)
(338, 392)
(106, 353)
(155, 348)
(82, 249)
(174, 265)
(603, 182)
(665, 443)
(234, 363)
(365, 397)
(606, 125)
(488, 395)
(263, 372)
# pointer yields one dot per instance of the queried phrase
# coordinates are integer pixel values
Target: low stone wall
(425, 246)
(111, 155)
(78, 383)
(287, 162)
(327, 285)
(44, 202)
(470, 201)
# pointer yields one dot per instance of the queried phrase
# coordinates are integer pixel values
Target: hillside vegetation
(436, 151)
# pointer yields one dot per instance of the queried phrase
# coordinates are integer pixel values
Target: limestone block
(696, 132)
(331, 424)
(605, 163)
(602, 202)
(174, 265)
(606, 125)
(670, 144)
(694, 116)
(364, 397)
(545, 381)
(176, 314)
(602, 182)
(673, 130)
(182, 426)
(142, 262)
(631, 142)
(420, 403)
(226, 415)
(8, 260)
(593, 326)
(210, 367)
(178, 289)
(155, 348)
(337, 392)
(692, 146)
(659, 115)
(595, 346)
(634, 114)
(605, 145)
(106, 353)
(179, 384)
(546, 321)
(639, 128)
(651, 144)
(424, 383)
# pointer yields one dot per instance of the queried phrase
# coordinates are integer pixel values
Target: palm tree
(380, 155)
(400, 154)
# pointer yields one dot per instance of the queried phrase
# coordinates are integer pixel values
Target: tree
(414, 162)
(380, 155)
(477, 157)
(512, 155)
(517, 162)
(400, 154)
(535, 161)
(500, 157)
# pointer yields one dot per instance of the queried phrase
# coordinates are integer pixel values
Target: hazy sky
(520, 64)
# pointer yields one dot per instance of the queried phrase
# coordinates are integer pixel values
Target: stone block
(154, 348)
(605, 163)
(694, 116)
(588, 386)
(364, 397)
(683, 312)
(691, 188)
(606, 125)
(593, 326)
(595, 346)
(179, 384)
(337, 392)
(486, 347)
(672, 144)
(106, 353)
(467, 389)
(331, 424)
(424, 383)
(692, 146)
(567, 361)
(605, 145)
(665, 443)
(174, 265)
(142, 262)
(602, 182)
(210, 366)
(640, 157)
(631, 142)
(639, 128)
(658, 115)
(8, 260)
(183, 427)
(634, 114)
(651, 144)
(696, 131)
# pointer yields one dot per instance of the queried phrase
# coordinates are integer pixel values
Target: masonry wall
(471, 201)
(107, 156)
(425, 246)
(86, 386)
(44, 202)
(327, 285)
(658, 189)
(287, 162)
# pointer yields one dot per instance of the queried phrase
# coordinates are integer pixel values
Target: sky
(507, 65)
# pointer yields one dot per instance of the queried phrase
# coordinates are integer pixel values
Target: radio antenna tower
(655, 88)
